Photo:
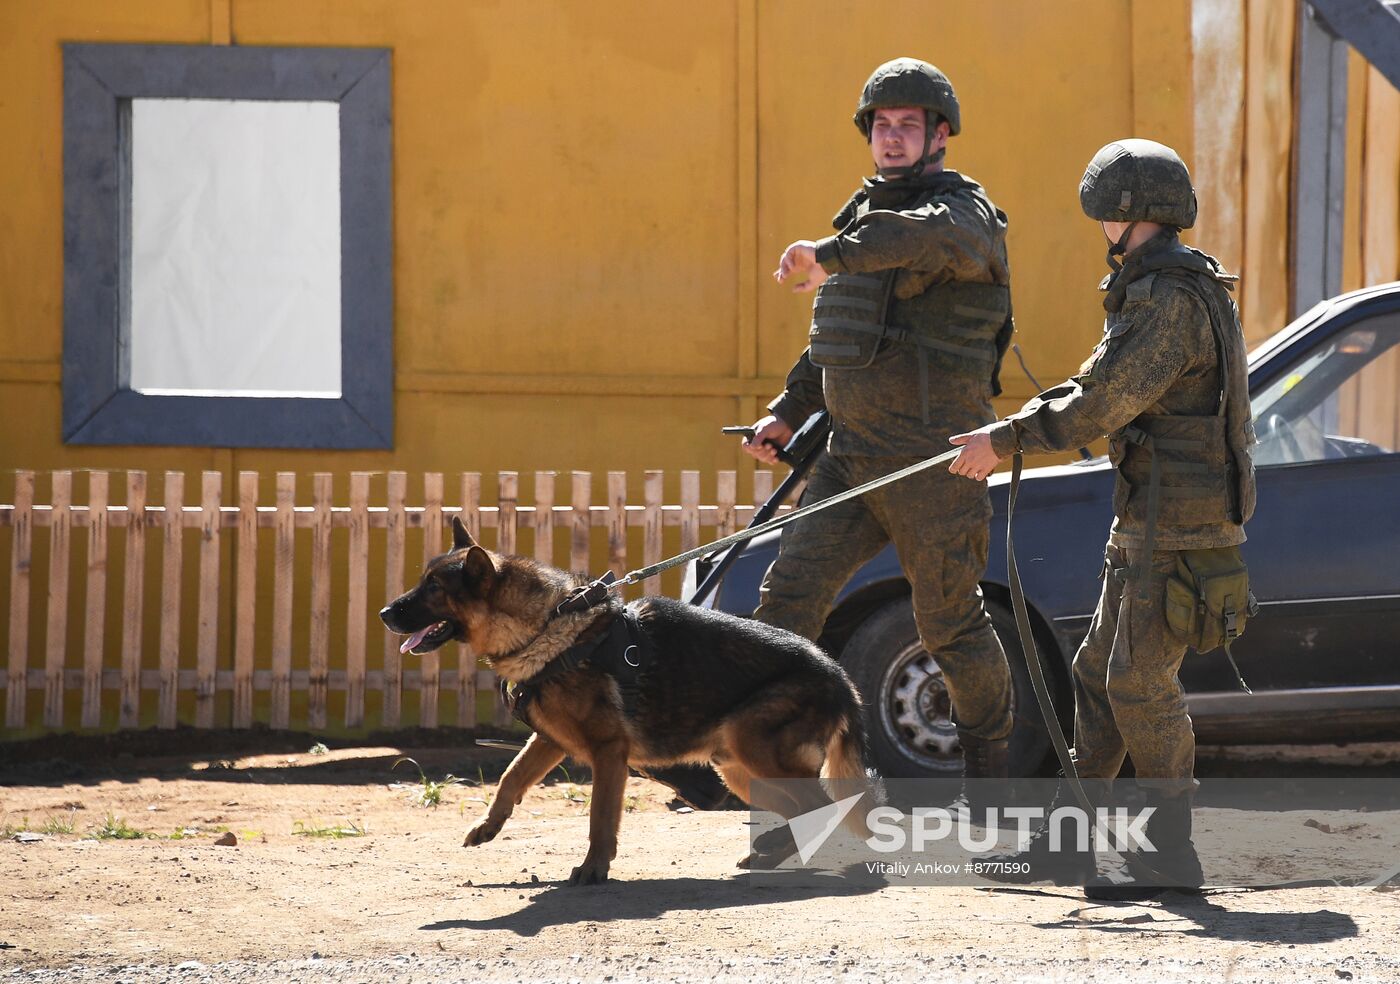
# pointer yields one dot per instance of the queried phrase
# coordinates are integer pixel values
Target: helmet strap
(1119, 248)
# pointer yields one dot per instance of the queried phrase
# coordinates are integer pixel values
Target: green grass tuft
(429, 791)
(59, 825)
(346, 829)
(116, 828)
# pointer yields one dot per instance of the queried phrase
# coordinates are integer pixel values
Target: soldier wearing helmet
(911, 317)
(1168, 385)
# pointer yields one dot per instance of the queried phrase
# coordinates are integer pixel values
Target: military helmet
(907, 82)
(1138, 181)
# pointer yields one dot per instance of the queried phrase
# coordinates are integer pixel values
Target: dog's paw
(760, 862)
(591, 872)
(485, 830)
(770, 849)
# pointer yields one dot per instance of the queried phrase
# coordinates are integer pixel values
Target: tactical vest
(1193, 470)
(951, 328)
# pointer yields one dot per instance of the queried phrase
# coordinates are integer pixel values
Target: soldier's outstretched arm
(1127, 375)
(960, 239)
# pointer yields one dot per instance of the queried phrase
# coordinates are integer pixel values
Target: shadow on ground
(648, 898)
(1212, 921)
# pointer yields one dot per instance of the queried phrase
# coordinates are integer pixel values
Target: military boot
(983, 760)
(1175, 864)
(1066, 865)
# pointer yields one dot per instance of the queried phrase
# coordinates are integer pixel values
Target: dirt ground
(396, 898)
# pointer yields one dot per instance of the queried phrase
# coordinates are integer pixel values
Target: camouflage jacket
(925, 232)
(1158, 356)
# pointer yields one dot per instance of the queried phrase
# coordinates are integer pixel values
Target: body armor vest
(955, 324)
(1192, 469)
(955, 328)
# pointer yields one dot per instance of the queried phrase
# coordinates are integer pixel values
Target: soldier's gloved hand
(800, 260)
(768, 429)
(977, 460)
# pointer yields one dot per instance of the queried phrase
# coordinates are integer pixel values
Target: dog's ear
(461, 539)
(477, 566)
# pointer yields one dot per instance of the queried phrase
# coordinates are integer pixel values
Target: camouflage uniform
(906, 341)
(1157, 367)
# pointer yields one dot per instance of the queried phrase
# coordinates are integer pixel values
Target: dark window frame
(99, 407)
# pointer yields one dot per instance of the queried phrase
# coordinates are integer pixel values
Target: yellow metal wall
(588, 200)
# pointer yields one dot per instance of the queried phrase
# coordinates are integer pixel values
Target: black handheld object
(747, 433)
(800, 453)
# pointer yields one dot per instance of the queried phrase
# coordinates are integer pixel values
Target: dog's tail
(845, 772)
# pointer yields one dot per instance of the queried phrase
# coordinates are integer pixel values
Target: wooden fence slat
(357, 596)
(507, 498)
(393, 587)
(133, 594)
(284, 556)
(172, 536)
(617, 522)
(544, 517)
(652, 528)
(56, 638)
(95, 624)
(581, 522)
(21, 556)
(207, 648)
(320, 637)
(726, 503)
(466, 658)
(245, 617)
(429, 665)
(690, 510)
(762, 487)
(471, 503)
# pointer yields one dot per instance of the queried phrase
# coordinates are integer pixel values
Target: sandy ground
(400, 899)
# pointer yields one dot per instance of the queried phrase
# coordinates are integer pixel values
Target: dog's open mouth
(427, 639)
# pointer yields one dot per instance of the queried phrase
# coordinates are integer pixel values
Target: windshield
(1336, 401)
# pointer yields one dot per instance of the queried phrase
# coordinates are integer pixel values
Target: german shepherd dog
(754, 701)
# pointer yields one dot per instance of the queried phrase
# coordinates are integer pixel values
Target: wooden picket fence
(453, 669)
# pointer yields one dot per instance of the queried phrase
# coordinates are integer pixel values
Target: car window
(1337, 401)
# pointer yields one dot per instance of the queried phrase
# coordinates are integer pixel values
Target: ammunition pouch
(953, 329)
(848, 320)
(1183, 462)
(1208, 601)
(952, 326)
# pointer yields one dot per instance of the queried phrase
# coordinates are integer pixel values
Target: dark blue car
(1322, 656)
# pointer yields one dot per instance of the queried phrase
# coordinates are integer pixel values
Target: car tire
(907, 708)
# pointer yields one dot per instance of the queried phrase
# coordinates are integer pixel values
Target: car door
(1324, 543)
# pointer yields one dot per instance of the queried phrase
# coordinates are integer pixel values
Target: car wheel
(907, 707)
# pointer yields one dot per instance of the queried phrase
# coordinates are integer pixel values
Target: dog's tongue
(414, 639)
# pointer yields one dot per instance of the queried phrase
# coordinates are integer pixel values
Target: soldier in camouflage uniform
(1168, 384)
(911, 317)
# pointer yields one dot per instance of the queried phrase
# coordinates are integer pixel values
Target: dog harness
(620, 650)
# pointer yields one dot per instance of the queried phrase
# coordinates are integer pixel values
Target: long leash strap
(1032, 656)
(1028, 649)
(595, 592)
(634, 577)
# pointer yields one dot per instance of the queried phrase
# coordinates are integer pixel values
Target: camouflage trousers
(1127, 698)
(938, 524)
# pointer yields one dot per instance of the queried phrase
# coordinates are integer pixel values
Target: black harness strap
(620, 649)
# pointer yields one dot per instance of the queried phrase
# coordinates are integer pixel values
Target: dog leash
(596, 592)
